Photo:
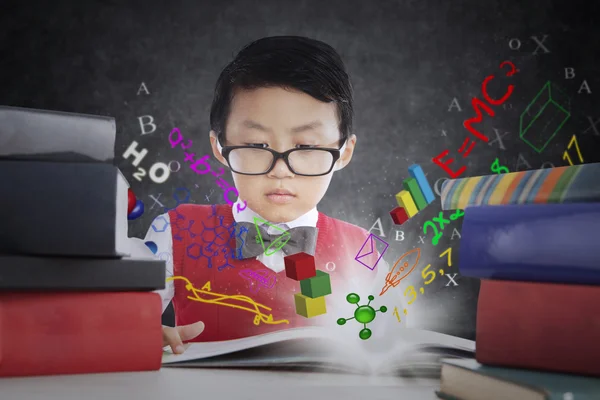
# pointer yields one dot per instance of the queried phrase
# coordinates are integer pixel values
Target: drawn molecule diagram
(363, 314)
(213, 240)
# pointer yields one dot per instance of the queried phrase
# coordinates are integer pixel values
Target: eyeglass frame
(336, 153)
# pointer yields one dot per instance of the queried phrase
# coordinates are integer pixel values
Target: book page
(197, 351)
(420, 353)
(314, 349)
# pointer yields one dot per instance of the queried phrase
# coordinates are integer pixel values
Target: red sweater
(200, 262)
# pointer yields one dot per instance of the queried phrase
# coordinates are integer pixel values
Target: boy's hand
(174, 337)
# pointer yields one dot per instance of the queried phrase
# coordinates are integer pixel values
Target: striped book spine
(570, 184)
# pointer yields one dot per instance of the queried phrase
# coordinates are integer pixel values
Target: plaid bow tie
(292, 241)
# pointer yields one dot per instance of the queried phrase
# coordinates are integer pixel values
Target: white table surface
(215, 384)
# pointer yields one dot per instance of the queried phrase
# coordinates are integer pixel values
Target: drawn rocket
(401, 269)
(261, 277)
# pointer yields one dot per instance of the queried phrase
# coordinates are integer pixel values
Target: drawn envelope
(368, 249)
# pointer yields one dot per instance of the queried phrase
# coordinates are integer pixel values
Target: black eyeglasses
(249, 160)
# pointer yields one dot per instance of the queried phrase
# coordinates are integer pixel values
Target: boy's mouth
(280, 196)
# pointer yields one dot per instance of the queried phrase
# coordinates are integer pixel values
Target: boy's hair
(293, 62)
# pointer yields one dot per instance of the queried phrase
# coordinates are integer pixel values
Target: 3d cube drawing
(543, 117)
(317, 286)
(308, 307)
(300, 266)
(406, 201)
(399, 215)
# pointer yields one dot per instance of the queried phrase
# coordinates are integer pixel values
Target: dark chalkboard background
(408, 60)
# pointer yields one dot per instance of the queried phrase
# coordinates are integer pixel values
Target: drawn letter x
(441, 220)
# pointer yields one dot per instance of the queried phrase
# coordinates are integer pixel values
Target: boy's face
(281, 120)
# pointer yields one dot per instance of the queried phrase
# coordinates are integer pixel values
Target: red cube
(399, 215)
(300, 266)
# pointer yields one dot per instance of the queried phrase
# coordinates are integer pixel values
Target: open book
(413, 353)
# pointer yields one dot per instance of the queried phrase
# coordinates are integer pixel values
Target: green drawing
(279, 242)
(546, 115)
(362, 314)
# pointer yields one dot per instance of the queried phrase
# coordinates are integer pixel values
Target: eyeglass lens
(257, 161)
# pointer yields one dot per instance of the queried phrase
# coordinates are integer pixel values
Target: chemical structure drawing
(363, 314)
(188, 194)
(156, 226)
(195, 251)
(175, 226)
(227, 253)
(241, 235)
(209, 240)
(215, 240)
(177, 236)
(218, 235)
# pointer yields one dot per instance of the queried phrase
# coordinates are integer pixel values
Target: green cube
(317, 286)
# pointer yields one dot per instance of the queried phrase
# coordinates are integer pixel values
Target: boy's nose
(280, 170)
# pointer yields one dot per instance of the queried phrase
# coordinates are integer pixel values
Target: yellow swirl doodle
(219, 300)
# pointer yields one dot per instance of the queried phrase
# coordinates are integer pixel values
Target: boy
(281, 120)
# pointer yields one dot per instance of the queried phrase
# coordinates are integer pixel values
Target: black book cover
(62, 209)
(73, 274)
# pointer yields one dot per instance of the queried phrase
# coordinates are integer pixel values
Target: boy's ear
(215, 148)
(346, 155)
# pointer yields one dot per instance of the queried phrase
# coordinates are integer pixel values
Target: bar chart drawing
(417, 195)
(416, 172)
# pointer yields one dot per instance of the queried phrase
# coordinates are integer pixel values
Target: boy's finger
(171, 338)
(188, 332)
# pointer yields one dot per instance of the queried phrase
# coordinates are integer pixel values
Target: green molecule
(363, 314)
(352, 298)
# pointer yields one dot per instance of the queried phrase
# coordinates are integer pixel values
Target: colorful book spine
(417, 195)
(539, 243)
(570, 184)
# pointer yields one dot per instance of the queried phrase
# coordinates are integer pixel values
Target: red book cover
(546, 326)
(75, 333)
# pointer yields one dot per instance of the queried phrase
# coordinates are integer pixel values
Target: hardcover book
(63, 209)
(42, 135)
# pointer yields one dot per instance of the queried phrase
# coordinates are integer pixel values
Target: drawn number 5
(437, 235)
(413, 294)
(425, 274)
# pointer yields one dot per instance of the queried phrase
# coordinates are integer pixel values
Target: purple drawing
(369, 250)
(262, 277)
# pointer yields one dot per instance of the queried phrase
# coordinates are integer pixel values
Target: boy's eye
(257, 145)
(306, 146)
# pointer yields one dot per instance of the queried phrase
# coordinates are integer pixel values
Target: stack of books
(71, 300)
(532, 239)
